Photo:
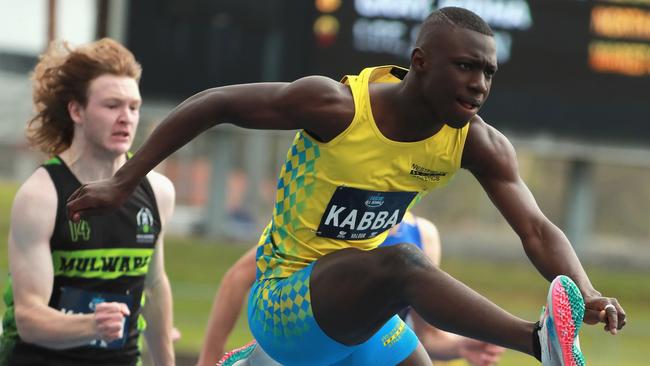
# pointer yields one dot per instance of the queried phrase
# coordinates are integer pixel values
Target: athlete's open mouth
(472, 105)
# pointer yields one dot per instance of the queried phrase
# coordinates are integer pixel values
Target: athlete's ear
(418, 59)
(75, 109)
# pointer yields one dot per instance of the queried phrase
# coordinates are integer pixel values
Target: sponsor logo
(145, 222)
(375, 201)
(104, 264)
(425, 174)
(79, 230)
(395, 334)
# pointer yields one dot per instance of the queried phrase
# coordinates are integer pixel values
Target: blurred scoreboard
(571, 69)
(576, 69)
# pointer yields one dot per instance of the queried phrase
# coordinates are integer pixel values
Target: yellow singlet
(350, 191)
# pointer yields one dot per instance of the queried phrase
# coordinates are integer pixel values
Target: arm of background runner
(319, 105)
(492, 160)
(157, 310)
(30, 261)
(431, 244)
(441, 345)
(227, 304)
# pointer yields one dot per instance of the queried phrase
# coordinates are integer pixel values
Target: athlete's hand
(606, 310)
(479, 353)
(96, 198)
(176, 334)
(109, 320)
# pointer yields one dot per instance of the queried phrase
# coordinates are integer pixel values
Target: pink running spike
(564, 320)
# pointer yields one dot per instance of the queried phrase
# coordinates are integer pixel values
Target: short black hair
(454, 16)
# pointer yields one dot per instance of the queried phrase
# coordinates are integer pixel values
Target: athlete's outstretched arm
(157, 310)
(226, 307)
(492, 160)
(32, 273)
(319, 105)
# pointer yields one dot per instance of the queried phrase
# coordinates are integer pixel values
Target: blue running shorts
(281, 319)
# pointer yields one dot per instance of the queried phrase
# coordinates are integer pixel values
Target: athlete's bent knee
(404, 258)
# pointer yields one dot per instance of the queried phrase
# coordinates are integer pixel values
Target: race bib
(357, 214)
(78, 301)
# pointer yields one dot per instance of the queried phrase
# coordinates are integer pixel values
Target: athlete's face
(110, 118)
(456, 66)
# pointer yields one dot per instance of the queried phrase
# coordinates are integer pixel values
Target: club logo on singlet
(357, 214)
(79, 230)
(145, 223)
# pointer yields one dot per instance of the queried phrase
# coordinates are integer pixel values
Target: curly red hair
(62, 75)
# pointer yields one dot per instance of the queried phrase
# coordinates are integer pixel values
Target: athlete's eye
(464, 66)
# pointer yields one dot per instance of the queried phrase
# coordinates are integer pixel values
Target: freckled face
(110, 118)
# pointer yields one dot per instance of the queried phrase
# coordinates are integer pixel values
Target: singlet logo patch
(79, 230)
(145, 223)
(357, 214)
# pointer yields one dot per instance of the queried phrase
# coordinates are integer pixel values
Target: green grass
(7, 191)
(195, 267)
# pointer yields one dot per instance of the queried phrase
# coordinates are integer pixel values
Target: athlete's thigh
(355, 292)
(394, 344)
(281, 319)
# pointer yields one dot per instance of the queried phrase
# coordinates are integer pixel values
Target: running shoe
(560, 323)
(237, 356)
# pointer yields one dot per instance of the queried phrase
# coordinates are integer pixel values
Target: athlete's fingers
(83, 206)
(109, 319)
(610, 318)
(80, 203)
(493, 348)
(72, 205)
(488, 360)
(491, 355)
(605, 310)
(110, 313)
(613, 316)
(112, 307)
(125, 309)
(592, 316)
(620, 314)
(109, 334)
(176, 334)
(110, 330)
(75, 194)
